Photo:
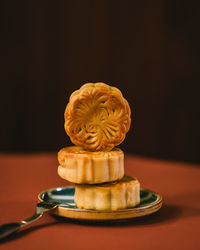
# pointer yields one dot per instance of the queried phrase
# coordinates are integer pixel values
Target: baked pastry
(109, 196)
(80, 166)
(97, 117)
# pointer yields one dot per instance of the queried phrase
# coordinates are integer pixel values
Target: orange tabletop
(175, 226)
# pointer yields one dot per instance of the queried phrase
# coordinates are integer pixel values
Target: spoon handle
(10, 228)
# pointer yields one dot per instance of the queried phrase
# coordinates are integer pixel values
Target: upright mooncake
(97, 117)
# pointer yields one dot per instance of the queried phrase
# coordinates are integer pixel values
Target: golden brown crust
(80, 152)
(115, 184)
(81, 166)
(109, 196)
(97, 117)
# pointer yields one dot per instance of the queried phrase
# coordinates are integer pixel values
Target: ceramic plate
(150, 203)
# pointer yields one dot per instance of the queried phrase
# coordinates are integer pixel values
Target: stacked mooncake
(97, 119)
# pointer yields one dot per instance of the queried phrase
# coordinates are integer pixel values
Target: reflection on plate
(150, 203)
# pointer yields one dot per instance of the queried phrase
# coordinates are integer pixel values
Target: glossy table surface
(175, 226)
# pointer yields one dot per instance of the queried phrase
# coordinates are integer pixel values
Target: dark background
(148, 49)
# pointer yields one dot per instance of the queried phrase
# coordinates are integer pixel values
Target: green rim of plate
(150, 200)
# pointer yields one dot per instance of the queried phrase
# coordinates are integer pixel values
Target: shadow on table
(166, 213)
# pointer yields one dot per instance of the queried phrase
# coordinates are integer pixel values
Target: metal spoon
(41, 207)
